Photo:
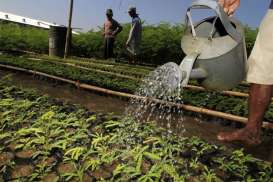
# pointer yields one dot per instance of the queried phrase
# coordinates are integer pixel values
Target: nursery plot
(182, 126)
(135, 71)
(210, 100)
(66, 92)
(43, 139)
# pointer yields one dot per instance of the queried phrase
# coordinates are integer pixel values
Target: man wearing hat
(110, 30)
(134, 39)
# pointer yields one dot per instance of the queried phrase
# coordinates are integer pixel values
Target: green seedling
(209, 175)
(134, 151)
(75, 153)
(99, 140)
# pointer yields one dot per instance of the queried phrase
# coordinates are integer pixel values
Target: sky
(89, 14)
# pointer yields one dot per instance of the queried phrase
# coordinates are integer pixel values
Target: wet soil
(5, 158)
(21, 171)
(27, 154)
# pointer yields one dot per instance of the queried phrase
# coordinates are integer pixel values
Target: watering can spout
(198, 73)
(186, 68)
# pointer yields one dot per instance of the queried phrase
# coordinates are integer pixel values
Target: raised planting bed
(109, 69)
(103, 63)
(135, 71)
(130, 70)
(85, 76)
(43, 139)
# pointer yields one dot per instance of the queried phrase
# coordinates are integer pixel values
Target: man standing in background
(260, 75)
(134, 39)
(110, 30)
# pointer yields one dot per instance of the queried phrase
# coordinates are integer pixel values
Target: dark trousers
(109, 47)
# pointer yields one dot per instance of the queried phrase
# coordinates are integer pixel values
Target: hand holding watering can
(214, 47)
(229, 6)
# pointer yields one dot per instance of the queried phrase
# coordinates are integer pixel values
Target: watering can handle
(212, 4)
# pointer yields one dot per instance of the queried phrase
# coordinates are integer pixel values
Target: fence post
(68, 33)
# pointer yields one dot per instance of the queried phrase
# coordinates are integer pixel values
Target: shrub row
(161, 43)
(211, 100)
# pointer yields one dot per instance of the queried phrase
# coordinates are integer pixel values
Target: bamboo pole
(91, 69)
(228, 93)
(128, 96)
(100, 71)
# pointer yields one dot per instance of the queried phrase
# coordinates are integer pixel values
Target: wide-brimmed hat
(109, 12)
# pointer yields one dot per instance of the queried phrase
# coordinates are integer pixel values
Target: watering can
(215, 50)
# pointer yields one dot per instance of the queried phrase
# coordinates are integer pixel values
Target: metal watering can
(215, 51)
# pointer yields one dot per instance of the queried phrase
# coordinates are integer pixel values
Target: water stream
(163, 84)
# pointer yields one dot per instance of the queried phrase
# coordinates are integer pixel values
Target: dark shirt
(136, 31)
(271, 5)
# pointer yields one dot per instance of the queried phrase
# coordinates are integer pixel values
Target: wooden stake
(68, 33)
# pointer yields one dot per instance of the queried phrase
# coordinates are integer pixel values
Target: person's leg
(259, 99)
(138, 59)
(130, 54)
(131, 58)
(111, 47)
(137, 53)
(105, 48)
(134, 53)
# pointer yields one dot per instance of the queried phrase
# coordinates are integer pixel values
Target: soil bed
(205, 128)
(86, 142)
(209, 100)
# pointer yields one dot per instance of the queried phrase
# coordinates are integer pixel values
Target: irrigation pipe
(128, 96)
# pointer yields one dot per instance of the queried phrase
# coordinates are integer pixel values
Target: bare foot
(243, 135)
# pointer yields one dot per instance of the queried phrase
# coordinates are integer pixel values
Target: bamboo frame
(100, 71)
(228, 93)
(195, 109)
(190, 87)
(91, 69)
